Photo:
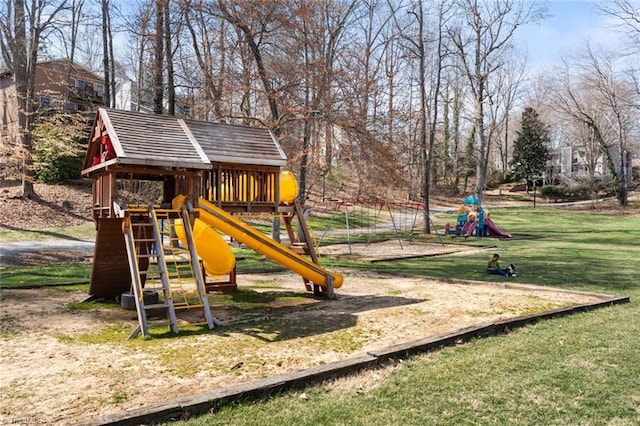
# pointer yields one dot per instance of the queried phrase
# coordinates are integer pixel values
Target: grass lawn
(583, 369)
(75, 232)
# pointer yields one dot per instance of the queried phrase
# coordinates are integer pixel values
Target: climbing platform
(165, 274)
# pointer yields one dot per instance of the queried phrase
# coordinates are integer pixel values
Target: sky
(565, 31)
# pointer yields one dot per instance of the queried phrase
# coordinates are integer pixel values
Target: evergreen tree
(530, 149)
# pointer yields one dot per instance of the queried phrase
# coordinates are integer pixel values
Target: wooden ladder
(302, 242)
(144, 245)
(181, 270)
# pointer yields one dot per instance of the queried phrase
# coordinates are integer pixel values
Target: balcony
(86, 94)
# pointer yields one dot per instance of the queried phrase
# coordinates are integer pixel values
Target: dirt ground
(63, 363)
(58, 366)
(56, 206)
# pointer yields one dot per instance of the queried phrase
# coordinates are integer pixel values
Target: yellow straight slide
(256, 240)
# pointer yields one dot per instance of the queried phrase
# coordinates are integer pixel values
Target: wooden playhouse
(136, 159)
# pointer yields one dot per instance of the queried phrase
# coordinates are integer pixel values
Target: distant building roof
(67, 64)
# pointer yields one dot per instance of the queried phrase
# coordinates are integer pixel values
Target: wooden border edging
(208, 402)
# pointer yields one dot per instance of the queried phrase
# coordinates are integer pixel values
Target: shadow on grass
(39, 233)
(279, 316)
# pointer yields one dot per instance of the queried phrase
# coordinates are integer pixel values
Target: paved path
(83, 246)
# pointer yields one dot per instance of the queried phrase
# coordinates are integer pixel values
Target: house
(8, 107)
(64, 85)
(574, 164)
(129, 97)
(59, 85)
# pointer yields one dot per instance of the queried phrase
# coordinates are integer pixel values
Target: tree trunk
(433, 127)
(112, 64)
(425, 161)
(456, 137)
(619, 185)
(171, 92)
(158, 95)
(481, 170)
(25, 57)
(105, 53)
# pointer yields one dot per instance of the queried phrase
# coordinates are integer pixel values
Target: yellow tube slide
(235, 228)
(217, 257)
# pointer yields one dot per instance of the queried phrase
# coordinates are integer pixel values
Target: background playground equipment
(370, 221)
(141, 235)
(472, 218)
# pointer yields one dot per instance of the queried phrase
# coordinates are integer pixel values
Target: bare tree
(427, 49)
(482, 35)
(76, 18)
(64, 39)
(105, 52)
(627, 14)
(89, 51)
(507, 87)
(254, 25)
(22, 28)
(615, 95)
(453, 110)
(600, 100)
(210, 54)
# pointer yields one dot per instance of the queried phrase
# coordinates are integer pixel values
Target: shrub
(564, 192)
(58, 142)
(552, 192)
(53, 165)
(495, 179)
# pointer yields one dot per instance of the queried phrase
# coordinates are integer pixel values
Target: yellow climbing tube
(288, 187)
(256, 240)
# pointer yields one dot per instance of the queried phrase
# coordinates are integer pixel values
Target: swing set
(374, 220)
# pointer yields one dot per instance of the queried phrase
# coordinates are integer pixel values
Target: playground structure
(163, 190)
(375, 219)
(473, 219)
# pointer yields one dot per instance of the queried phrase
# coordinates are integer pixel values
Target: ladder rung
(155, 288)
(156, 306)
(185, 306)
(158, 323)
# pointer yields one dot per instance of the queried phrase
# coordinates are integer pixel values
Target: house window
(99, 88)
(71, 106)
(44, 101)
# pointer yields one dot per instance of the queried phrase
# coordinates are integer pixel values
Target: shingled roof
(226, 143)
(167, 141)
